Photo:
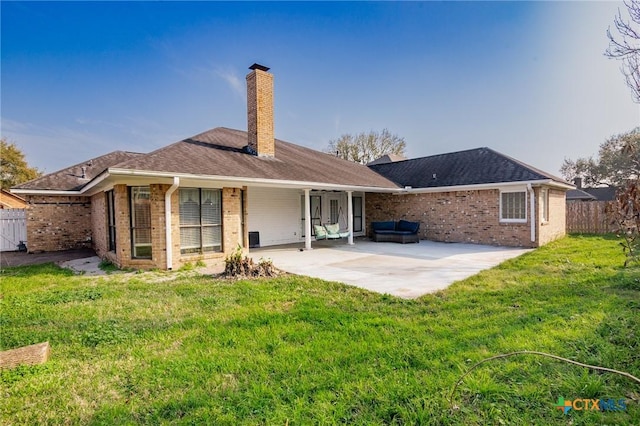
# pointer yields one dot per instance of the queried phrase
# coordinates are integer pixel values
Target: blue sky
(528, 79)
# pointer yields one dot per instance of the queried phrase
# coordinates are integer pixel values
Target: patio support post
(307, 219)
(350, 218)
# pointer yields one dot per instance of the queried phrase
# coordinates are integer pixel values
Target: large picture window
(513, 206)
(111, 220)
(200, 220)
(140, 197)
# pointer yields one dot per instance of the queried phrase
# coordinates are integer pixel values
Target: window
(334, 211)
(544, 204)
(513, 206)
(140, 197)
(200, 220)
(111, 220)
(357, 214)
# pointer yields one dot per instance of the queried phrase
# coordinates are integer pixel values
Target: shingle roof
(70, 179)
(605, 193)
(471, 167)
(219, 152)
(579, 194)
(387, 158)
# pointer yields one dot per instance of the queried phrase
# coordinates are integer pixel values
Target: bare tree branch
(627, 47)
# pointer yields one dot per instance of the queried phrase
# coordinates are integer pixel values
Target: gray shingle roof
(580, 195)
(605, 193)
(471, 167)
(219, 152)
(70, 179)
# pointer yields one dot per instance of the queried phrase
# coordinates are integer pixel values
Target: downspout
(167, 221)
(532, 198)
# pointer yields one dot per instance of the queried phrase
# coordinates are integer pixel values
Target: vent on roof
(259, 67)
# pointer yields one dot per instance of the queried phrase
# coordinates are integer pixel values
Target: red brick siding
(99, 223)
(556, 227)
(461, 216)
(57, 223)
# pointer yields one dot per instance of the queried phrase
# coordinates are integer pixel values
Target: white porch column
(307, 219)
(350, 218)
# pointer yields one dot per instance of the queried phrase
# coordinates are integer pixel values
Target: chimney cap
(259, 67)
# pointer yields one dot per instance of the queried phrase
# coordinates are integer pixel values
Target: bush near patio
(185, 348)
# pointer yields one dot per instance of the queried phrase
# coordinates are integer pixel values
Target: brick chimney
(260, 111)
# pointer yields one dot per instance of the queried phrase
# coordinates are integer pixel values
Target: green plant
(192, 349)
(107, 266)
(188, 266)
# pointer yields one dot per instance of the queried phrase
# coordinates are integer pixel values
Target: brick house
(202, 197)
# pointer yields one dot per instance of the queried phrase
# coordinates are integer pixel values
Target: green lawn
(155, 348)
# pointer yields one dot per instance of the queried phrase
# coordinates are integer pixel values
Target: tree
(365, 147)
(626, 47)
(617, 162)
(14, 169)
(624, 212)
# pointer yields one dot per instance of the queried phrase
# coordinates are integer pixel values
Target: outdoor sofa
(402, 231)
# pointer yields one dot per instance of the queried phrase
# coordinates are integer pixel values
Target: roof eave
(260, 182)
(495, 185)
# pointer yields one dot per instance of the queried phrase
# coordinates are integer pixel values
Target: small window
(357, 214)
(140, 197)
(513, 206)
(544, 205)
(111, 220)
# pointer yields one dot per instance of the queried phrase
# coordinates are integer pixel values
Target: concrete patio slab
(403, 270)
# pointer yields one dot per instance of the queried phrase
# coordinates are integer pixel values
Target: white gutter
(532, 198)
(242, 181)
(281, 183)
(167, 221)
(480, 186)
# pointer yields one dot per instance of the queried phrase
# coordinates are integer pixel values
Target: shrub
(237, 265)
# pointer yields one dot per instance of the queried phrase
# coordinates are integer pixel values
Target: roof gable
(471, 167)
(221, 152)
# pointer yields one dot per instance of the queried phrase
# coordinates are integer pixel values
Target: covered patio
(402, 270)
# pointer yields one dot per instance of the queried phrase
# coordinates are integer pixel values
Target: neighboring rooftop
(470, 167)
(579, 195)
(387, 158)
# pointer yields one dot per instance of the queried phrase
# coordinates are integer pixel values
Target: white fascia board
(246, 181)
(486, 186)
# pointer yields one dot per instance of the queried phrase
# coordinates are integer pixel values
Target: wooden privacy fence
(588, 217)
(13, 228)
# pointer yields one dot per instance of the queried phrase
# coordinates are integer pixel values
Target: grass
(294, 350)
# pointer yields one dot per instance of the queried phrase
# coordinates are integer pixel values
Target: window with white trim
(200, 220)
(544, 205)
(513, 206)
